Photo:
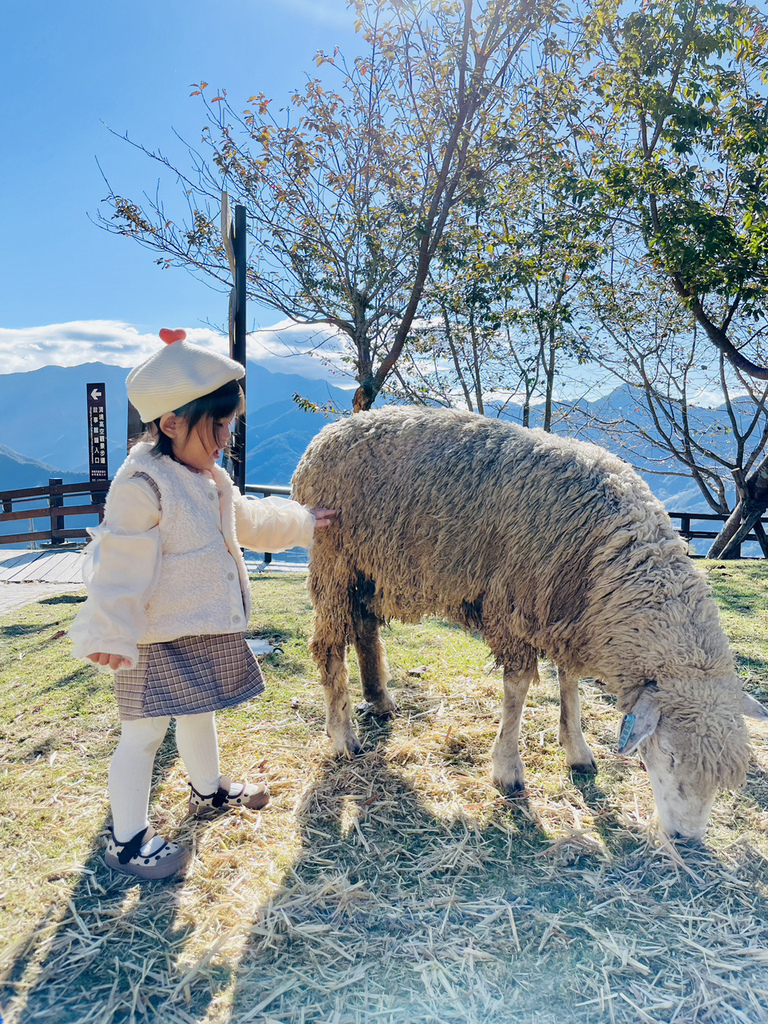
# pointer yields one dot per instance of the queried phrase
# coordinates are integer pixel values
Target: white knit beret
(176, 374)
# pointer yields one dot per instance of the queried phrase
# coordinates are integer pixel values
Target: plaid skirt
(188, 676)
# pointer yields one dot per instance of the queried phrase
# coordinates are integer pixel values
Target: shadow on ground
(403, 909)
(111, 953)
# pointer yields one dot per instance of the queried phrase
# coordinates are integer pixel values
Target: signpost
(96, 404)
(234, 237)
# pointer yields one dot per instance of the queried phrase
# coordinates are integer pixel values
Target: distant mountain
(56, 433)
(277, 436)
(607, 421)
(43, 414)
(19, 471)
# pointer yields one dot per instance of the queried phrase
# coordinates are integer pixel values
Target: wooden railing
(35, 503)
(688, 533)
(48, 503)
(266, 490)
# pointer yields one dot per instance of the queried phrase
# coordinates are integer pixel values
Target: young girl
(168, 593)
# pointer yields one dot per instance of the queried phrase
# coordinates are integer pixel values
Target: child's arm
(276, 524)
(121, 569)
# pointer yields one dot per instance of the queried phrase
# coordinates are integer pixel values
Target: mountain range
(44, 428)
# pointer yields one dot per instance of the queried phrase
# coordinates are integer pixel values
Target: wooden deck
(41, 566)
(66, 567)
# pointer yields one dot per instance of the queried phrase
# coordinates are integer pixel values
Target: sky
(70, 73)
(73, 74)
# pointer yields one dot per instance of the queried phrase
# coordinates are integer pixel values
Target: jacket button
(211, 495)
(235, 618)
(230, 575)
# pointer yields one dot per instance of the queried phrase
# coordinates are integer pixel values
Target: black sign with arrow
(97, 432)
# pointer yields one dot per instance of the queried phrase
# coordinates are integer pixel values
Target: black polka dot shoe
(168, 859)
(253, 795)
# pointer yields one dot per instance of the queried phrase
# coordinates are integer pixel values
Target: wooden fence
(687, 532)
(85, 499)
(36, 503)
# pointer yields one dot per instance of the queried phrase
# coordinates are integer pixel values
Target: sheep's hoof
(590, 768)
(388, 710)
(349, 751)
(347, 747)
(511, 786)
(515, 789)
(385, 709)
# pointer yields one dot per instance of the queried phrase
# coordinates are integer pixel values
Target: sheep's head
(690, 753)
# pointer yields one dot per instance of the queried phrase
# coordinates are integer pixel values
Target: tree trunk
(548, 354)
(364, 397)
(742, 520)
(752, 503)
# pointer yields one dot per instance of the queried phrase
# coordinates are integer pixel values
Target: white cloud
(71, 344)
(312, 352)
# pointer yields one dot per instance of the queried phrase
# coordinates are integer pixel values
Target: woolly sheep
(542, 544)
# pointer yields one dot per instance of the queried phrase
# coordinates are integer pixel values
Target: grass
(398, 887)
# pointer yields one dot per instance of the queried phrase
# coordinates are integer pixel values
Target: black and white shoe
(144, 858)
(253, 795)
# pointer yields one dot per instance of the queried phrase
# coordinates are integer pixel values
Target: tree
(677, 145)
(506, 281)
(655, 347)
(348, 205)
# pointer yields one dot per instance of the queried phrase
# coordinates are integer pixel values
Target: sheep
(544, 545)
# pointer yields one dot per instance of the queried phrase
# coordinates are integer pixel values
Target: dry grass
(399, 887)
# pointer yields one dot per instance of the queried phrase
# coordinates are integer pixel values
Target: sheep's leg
(507, 770)
(578, 756)
(330, 654)
(374, 669)
(338, 716)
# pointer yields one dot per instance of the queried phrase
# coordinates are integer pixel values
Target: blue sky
(69, 69)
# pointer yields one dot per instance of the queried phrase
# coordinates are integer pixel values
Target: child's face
(201, 447)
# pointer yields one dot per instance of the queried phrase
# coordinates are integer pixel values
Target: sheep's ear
(752, 708)
(638, 724)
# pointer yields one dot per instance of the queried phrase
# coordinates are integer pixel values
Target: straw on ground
(398, 887)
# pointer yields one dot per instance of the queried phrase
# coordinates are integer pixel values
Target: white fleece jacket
(166, 561)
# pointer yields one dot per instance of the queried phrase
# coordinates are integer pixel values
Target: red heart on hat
(169, 336)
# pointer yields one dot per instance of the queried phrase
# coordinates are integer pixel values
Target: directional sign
(96, 401)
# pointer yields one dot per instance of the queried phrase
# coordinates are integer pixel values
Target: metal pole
(55, 501)
(135, 427)
(238, 339)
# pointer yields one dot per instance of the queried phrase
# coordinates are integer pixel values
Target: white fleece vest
(202, 586)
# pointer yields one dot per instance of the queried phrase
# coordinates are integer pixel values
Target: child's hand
(323, 516)
(113, 661)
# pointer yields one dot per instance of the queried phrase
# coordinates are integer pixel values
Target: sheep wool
(544, 544)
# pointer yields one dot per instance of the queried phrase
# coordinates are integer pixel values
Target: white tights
(130, 774)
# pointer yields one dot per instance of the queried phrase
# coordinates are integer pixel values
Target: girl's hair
(222, 404)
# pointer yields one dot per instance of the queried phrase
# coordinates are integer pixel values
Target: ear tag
(627, 725)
